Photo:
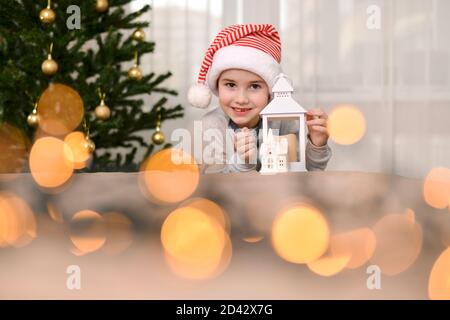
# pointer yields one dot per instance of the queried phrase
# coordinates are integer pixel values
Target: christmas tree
(81, 45)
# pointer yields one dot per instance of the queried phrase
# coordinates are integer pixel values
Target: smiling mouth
(241, 109)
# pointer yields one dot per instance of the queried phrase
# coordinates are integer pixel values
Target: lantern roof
(282, 84)
(285, 104)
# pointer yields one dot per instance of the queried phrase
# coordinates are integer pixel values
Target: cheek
(261, 100)
(225, 97)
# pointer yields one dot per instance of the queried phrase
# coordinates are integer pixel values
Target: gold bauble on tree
(139, 35)
(135, 73)
(89, 144)
(102, 111)
(49, 66)
(101, 6)
(47, 15)
(33, 118)
(158, 137)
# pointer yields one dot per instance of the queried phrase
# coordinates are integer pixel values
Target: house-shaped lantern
(274, 154)
(280, 147)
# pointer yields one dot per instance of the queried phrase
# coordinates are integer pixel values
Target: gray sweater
(218, 153)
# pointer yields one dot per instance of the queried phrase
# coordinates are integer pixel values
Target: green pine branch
(89, 59)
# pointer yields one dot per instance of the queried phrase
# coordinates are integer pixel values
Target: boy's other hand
(245, 145)
(316, 120)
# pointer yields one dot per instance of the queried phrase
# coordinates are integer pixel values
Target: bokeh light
(211, 209)
(346, 125)
(49, 164)
(54, 214)
(330, 265)
(87, 231)
(436, 188)
(359, 243)
(13, 146)
(439, 280)
(77, 252)
(60, 109)
(300, 234)
(167, 181)
(253, 239)
(196, 246)
(79, 153)
(119, 230)
(17, 221)
(398, 242)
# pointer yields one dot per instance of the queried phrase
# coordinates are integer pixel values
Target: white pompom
(199, 96)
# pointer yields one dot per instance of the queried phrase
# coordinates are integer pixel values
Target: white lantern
(286, 152)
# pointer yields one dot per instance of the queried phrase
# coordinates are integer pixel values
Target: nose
(241, 97)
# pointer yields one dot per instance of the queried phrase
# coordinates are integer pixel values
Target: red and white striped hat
(252, 47)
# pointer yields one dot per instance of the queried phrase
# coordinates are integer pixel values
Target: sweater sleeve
(317, 157)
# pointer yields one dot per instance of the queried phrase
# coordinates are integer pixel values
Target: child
(240, 67)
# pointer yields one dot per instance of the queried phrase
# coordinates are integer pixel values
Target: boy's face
(242, 96)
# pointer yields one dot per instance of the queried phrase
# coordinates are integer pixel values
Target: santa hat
(252, 47)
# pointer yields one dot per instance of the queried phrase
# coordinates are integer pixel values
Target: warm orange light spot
(54, 213)
(48, 162)
(17, 221)
(346, 125)
(439, 281)
(210, 208)
(26, 222)
(200, 271)
(79, 153)
(169, 181)
(77, 252)
(436, 188)
(399, 242)
(87, 231)
(254, 239)
(9, 228)
(359, 243)
(13, 148)
(196, 246)
(329, 265)
(300, 234)
(60, 109)
(119, 233)
(410, 214)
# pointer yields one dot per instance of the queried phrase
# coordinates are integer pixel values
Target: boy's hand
(316, 120)
(245, 145)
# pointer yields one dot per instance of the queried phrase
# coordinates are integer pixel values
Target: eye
(230, 84)
(255, 86)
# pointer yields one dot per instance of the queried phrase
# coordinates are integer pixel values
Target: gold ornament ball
(102, 112)
(135, 73)
(158, 137)
(89, 145)
(102, 5)
(47, 15)
(49, 67)
(139, 35)
(33, 120)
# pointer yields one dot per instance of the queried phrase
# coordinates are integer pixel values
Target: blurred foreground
(237, 236)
